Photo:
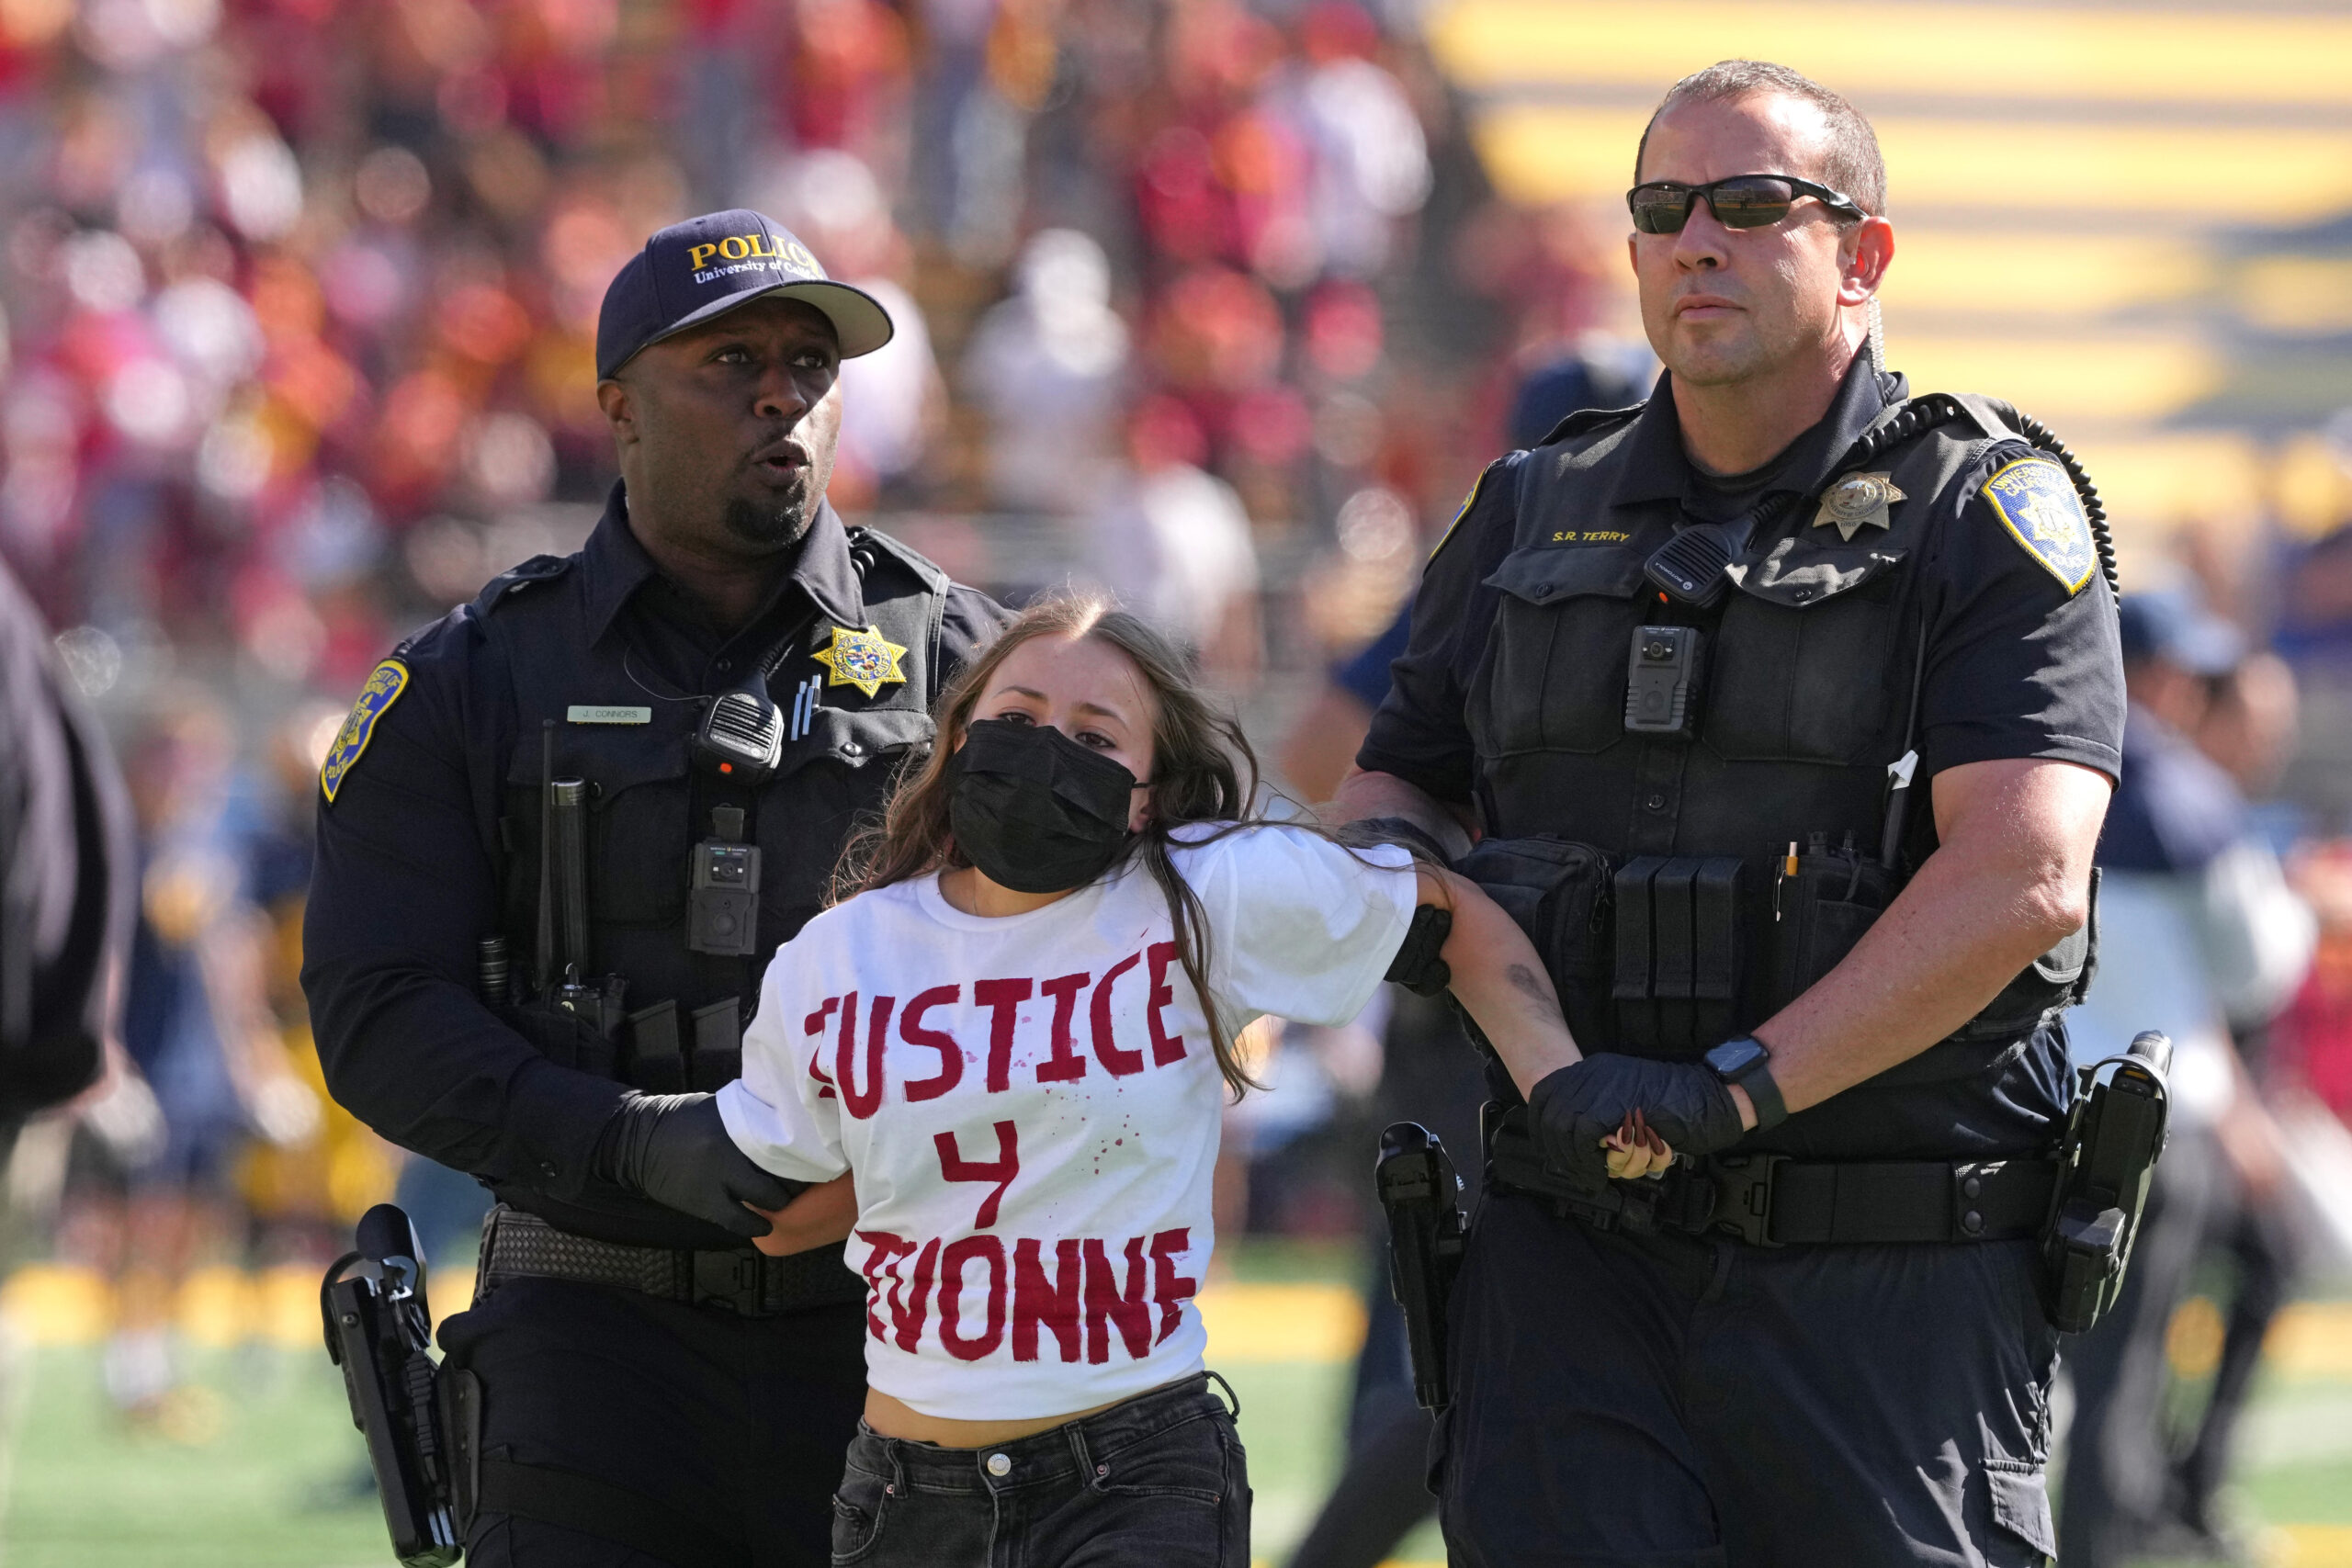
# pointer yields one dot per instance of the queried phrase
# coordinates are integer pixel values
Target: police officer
(634, 768)
(1790, 712)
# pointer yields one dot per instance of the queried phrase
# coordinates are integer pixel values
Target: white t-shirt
(1030, 1105)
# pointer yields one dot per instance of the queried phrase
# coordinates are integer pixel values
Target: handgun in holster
(421, 1424)
(1418, 1190)
(2113, 1141)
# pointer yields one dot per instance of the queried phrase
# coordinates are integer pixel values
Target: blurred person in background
(651, 1387)
(1048, 368)
(2262, 938)
(2197, 929)
(199, 1031)
(1173, 542)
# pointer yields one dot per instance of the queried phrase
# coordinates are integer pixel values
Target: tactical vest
(1685, 889)
(676, 1022)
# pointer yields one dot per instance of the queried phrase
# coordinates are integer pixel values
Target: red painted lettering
(1002, 998)
(1064, 1064)
(815, 1024)
(1168, 1288)
(950, 1055)
(881, 1264)
(951, 1295)
(1038, 1300)
(1166, 1048)
(907, 1319)
(1117, 1062)
(1000, 1170)
(862, 1103)
(1130, 1308)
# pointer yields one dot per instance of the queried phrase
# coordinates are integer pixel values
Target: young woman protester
(1015, 1037)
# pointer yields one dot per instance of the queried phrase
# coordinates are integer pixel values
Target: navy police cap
(707, 266)
(2174, 625)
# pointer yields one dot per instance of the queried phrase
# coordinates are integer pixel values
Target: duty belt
(517, 1245)
(1778, 1200)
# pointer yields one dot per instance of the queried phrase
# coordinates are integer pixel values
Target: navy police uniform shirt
(408, 875)
(2021, 663)
(2018, 666)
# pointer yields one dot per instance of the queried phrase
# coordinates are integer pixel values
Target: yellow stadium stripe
(2139, 55)
(2022, 273)
(1540, 153)
(2073, 380)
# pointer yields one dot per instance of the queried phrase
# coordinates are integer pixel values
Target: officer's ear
(613, 396)
(1864, 252)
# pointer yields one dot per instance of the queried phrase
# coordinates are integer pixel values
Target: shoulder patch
(2036, 502)
(1463, 510)
(382, 690)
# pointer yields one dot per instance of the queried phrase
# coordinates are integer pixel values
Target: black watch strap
(1756, 1076)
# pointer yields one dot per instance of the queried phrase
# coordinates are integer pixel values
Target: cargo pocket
(1558, 892)
(1814, 627)
(1557, 681)
(2020, 1515)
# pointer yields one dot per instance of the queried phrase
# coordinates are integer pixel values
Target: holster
(2113, 1139)
(1418, 1191)
(380, 1331)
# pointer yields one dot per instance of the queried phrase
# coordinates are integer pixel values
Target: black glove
(674, 1149)
(1574, 1108)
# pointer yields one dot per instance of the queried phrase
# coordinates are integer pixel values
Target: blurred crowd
(1205, 302)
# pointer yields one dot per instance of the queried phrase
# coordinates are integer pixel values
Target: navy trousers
(736, 1425)
(1673, 1402)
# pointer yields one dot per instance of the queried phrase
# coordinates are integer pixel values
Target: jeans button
(1000, 1465)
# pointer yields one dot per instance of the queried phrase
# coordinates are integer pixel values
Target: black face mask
(1035, 810)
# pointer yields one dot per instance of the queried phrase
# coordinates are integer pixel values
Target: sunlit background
(1219, 304)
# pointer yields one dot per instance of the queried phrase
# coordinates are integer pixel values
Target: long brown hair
(1202, 770)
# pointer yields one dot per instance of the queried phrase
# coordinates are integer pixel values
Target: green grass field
(251, 1465)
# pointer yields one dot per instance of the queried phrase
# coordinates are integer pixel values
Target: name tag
(581, 715)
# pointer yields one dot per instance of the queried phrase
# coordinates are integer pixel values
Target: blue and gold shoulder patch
(2036, 502)
(1463, 510)
(382, 690)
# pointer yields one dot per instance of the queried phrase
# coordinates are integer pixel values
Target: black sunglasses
(1738, 202)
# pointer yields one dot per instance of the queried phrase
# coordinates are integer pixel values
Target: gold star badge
(1856, 499)
(865, 660)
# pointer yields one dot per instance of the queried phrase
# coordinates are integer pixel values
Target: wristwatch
(1747, 1063)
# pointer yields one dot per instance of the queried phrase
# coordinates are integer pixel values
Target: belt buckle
(1744, 1195)
(729, 1279)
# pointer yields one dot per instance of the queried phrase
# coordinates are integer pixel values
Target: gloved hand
(674, 1149)
(1574, 1108)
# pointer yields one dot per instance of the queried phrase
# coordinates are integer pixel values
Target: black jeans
(1160, 1479)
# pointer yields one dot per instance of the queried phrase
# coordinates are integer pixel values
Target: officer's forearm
(1362, 795)
(421, 1060)
(2010, 879)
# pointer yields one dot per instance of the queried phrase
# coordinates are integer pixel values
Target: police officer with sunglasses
(560, 837)
(1787, 707)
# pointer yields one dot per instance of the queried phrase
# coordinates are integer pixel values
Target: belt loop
(1079, 1455)
(1719, 1276)
(1231, 1398)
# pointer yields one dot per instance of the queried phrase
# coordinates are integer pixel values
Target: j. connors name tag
(581, 714)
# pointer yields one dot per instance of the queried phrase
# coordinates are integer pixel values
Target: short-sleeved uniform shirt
(2019, 664)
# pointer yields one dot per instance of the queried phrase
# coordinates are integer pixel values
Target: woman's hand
(1636, 1150)
(823, 1215)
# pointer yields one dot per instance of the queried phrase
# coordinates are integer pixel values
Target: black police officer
(610, 760)
(1821, 1342)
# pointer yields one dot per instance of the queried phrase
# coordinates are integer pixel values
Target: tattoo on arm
(1529, 984)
